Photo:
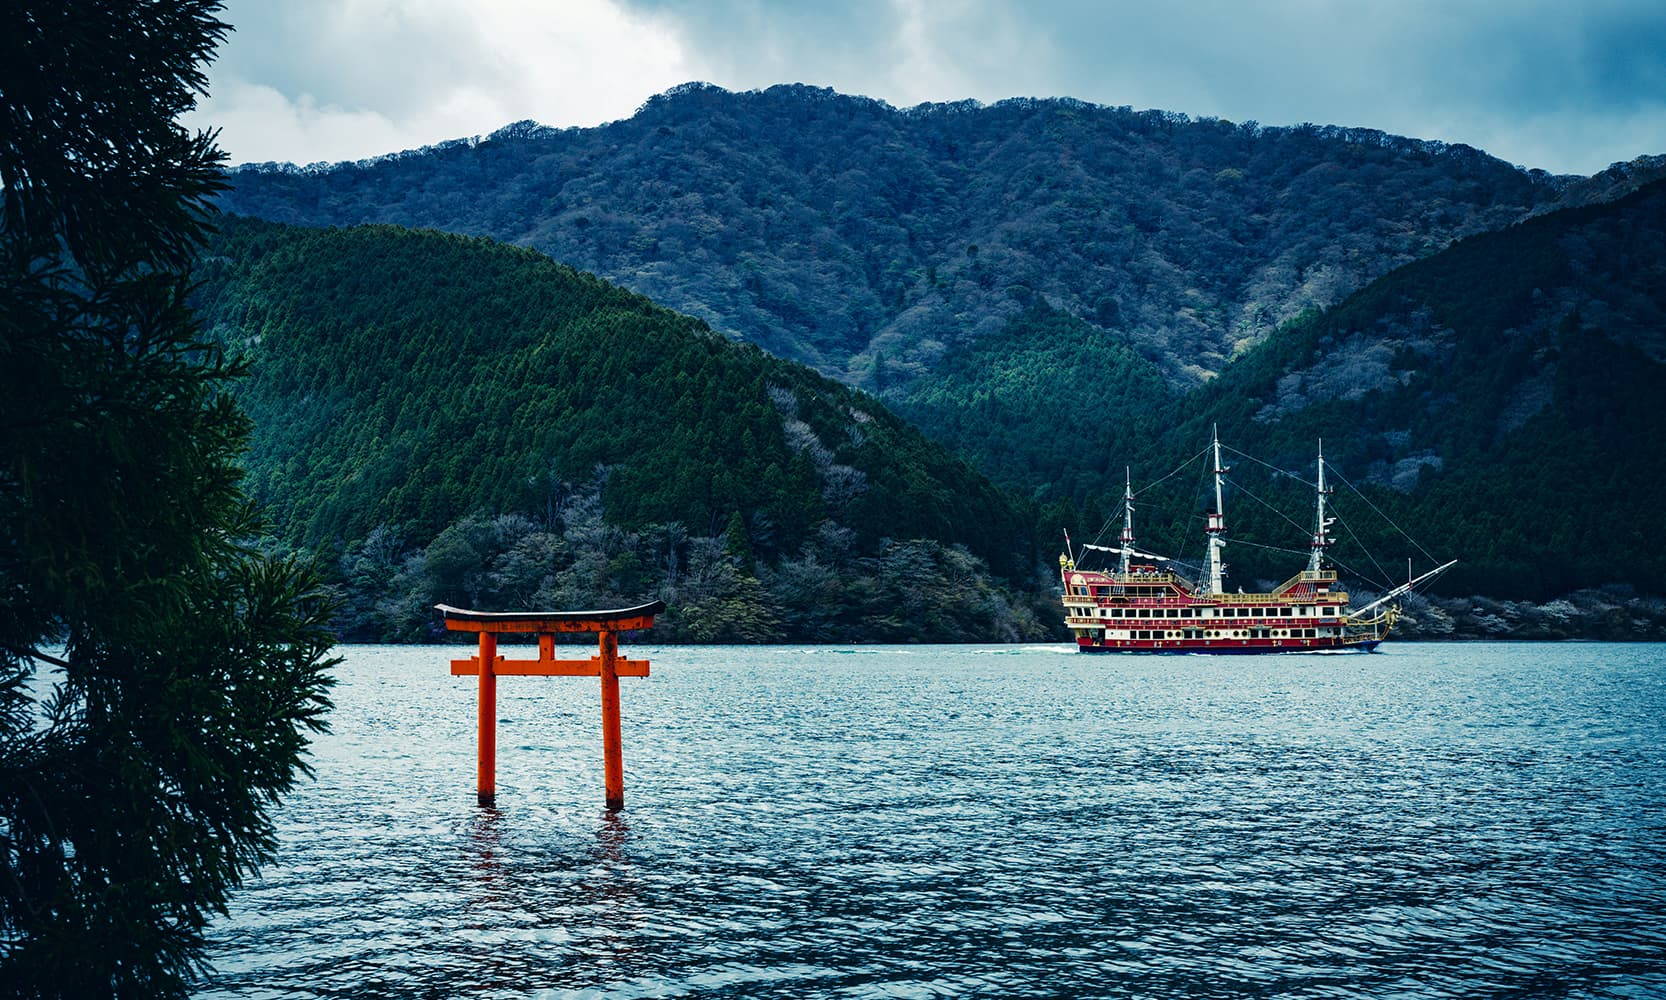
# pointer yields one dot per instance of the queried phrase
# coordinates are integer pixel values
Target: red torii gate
(489, 666)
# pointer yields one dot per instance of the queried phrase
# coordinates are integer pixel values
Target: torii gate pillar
(488, 666)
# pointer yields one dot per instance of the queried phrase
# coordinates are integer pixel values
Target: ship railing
(1151, 577)
(1307, 576)
(1334, 597)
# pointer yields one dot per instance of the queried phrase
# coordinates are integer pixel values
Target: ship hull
(1230, 647)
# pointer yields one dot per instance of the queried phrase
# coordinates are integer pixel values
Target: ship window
(1174, 612)
(1285, 612)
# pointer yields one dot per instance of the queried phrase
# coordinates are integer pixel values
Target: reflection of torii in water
(593, 897)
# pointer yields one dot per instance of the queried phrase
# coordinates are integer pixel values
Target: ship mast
(1127, 521)
(1321, 541)
(1217, 520)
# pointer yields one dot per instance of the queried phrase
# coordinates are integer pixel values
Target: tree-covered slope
(1046, 406)
(876, 243)
(411, 386)
(1500, 398)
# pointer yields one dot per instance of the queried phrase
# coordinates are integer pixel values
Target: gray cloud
(1569, 87)
(375, 56)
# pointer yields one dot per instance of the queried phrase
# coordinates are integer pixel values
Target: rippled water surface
(1428, 821)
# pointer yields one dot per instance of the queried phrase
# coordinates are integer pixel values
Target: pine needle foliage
(158, 677)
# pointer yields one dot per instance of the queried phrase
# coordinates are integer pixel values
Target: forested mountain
(875, 243)
(1055, 291)
(1501, 398)
(455, 419)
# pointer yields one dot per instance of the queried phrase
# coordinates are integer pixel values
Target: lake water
(1483, 820)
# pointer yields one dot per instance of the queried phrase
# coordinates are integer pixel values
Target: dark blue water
(1428, 821)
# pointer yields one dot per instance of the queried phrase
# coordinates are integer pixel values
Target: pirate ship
(1141, 606)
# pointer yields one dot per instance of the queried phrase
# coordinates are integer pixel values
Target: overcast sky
(1567, 85)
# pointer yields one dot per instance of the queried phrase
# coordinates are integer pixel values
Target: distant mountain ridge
(1483, 355)
(870, 242)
